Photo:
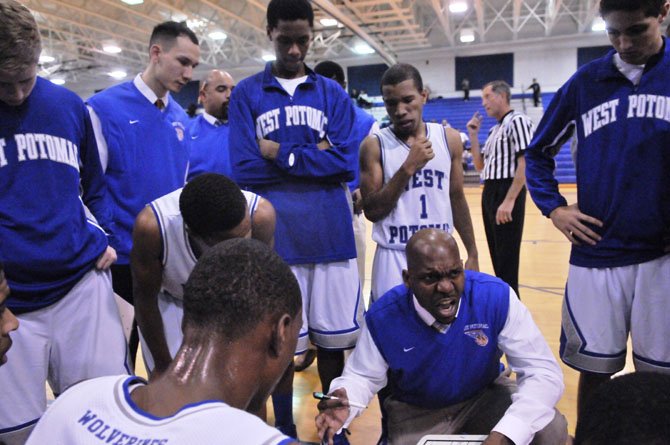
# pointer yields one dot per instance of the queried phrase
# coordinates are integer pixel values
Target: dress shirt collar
(147, 92)
(211, 119)
(427, 318)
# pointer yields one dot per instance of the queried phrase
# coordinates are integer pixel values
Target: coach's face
(436, 276)
(16, 86)
(404, 105)
(215, 96)
(291, 40)
(635, 37)
(175, 64)
(8, 321)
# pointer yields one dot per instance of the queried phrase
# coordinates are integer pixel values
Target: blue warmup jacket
(304, 184)
(47, 152)
(623, 158)
(209, 148)
(148, 153)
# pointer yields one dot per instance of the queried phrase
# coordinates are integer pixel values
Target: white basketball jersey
(178, 257)
(425, 202)
(100, 411)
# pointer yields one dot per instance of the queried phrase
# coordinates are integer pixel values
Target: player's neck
(207, 369)
(153, 83)
(410, 137)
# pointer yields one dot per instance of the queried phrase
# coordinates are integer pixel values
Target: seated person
(631, 409)
(242, 314)
(437, 341)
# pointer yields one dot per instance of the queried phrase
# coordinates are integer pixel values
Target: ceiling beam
(338, 15)
(443, 17)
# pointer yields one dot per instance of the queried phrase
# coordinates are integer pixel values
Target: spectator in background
(465, 86)
(536, 92)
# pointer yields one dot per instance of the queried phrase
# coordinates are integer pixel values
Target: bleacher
(458, 113)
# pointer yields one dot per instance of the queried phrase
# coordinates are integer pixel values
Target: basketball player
(8, 321)
(619, 272)
(55, 258)
(291, 142)
(142, 136)
(169, 236)
(241, 322)
(209, 131)
(411, 179)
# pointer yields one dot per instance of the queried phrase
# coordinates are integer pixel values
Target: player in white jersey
(169, 236)
(242, 315)
(411, 179)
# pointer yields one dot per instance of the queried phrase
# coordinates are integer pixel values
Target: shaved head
(425, 241)
(215, 93)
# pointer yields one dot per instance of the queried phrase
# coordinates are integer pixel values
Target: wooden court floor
(542, 275)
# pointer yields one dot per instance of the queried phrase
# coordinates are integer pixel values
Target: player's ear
(405, 277)
(281, 335)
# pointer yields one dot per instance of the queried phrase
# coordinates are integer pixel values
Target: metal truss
(74, 31)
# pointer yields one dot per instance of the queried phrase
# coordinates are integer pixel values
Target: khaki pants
(478, 415)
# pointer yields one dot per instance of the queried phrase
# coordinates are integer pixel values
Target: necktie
(160, 104)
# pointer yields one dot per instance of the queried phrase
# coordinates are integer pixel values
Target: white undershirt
(632, 72)
(291, 84)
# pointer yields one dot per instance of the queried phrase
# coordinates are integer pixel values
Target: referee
(503, 168)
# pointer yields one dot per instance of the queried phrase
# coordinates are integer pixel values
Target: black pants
(504, 240)
(122, 282)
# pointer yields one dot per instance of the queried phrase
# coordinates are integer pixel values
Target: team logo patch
(479, 337)
(179, 129)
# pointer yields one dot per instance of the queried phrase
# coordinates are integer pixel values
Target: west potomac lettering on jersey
(401, 234)
(650, 106)
(294, 115)
(426, 178)
(35, 146)
(108, 434)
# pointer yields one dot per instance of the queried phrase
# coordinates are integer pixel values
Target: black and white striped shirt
(506, 141)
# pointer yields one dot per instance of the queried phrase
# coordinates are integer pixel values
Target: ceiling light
(133, 2)
(44, 58)
(458, 6)
(218, 35)
(111, 48)
(58, 81)
(598, 25)
(118, 74)
(467, 35)
(363, 48)
(328, 22)
(269, 57)
(179, 17)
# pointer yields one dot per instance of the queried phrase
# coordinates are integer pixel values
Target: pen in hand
(322, 396)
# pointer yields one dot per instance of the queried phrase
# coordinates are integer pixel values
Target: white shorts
(76, 338)
(332, 307)
(172, 313)
(602, 306)
(387, 270)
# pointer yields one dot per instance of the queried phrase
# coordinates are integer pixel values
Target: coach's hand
(107, 258)
(496, 438)
(420, 153)
(332, 415)
(269, 149)
(571, 222)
